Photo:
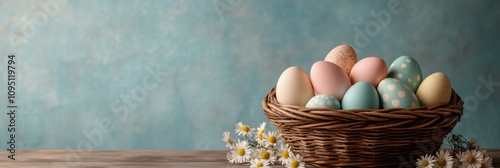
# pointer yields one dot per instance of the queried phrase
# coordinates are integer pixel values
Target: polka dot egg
(395, 94)
(407, 70)
(323, 101)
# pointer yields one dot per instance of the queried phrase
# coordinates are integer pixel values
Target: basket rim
(443, 115)
(455, 100)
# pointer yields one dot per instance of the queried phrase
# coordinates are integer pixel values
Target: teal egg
(407, 70)
(361, 95)
(395, 94)
(323, 101)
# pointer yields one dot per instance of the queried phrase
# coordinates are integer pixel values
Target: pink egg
(370, 69)
(328, 78)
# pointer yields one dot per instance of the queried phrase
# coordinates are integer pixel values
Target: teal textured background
(218, 59)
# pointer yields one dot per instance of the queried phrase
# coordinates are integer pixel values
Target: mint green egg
(323, 101)
(407, 70)
(361, 95)
(395, 94)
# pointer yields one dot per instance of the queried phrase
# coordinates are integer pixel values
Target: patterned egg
(407, 70)
(395, 94)
(343, 56)
(323, 101)
(361, 95)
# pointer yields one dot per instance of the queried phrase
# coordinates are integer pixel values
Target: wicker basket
(363, 138)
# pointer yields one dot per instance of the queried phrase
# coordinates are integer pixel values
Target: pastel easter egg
(434, 90)
(294, 87)
(323, 101)
(342, 56)
(328, 78)
(370, 69)
(395, 94)
(407, 70)
(361, 95)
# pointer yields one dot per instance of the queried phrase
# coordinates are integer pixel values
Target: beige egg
(434, 90)
(343, 56)
(294, 87)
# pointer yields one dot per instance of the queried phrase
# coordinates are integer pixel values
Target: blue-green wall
(217, 61)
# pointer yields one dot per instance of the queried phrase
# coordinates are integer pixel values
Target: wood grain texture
(57, 158)
(169, 159)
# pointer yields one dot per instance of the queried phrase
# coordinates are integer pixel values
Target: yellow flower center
(241, 151)
(259, 165)
(294, 164)
(271, 139)
(285, 154)
(229, 141)
(261, 131)
(425, 163)
(260, 137)
(245, 128)
(470, 159)
(265, 155)
(442, 162)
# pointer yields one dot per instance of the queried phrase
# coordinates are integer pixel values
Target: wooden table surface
(51, 158)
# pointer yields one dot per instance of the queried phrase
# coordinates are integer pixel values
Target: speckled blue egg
(361, 95)
(395, 94)
(323, 101)
(407, 70)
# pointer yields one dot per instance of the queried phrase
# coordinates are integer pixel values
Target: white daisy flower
(259, 136)
(487, 163)
(284, 154)
(456, 161)
(472, 159)
(262, 128)
(295, 162)
(265, 154)
(272, 138)
(260, 139)
(241, 152)
(426, 161)
(259, 163)
(485, 153)
(244, 130)
(253, 155)
(227, 139)
(443, 159)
